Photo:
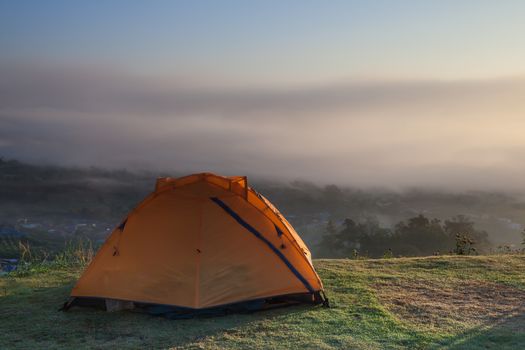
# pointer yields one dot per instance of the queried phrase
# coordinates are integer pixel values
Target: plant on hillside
(462, 226)
(416, 236)
(464, 244)
(78, 253)
(504, 249)
(522, 250)
(388, 254)
(25, 251)
(329, 240)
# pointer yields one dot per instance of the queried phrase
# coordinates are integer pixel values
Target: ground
(447, 302)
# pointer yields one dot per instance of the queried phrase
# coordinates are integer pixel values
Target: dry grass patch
(448, 304)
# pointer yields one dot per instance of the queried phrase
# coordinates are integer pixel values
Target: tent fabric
(198, 242)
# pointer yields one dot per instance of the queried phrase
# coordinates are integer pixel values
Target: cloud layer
(466, 134)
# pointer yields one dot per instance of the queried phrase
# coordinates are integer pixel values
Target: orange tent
(201, 242)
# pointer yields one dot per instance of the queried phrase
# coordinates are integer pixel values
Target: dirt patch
(444, 304)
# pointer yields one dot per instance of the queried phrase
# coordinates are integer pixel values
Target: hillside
(48, 205)
(446, 302)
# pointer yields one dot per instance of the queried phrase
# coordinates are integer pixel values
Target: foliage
(79, 253)
(464, 245)
(388, 254)
(417, 236)
(58, 197)
(75, 254)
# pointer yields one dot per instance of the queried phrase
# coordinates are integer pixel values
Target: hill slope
(435, 302)
(57, 198)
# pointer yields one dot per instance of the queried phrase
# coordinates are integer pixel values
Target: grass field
(446, 302)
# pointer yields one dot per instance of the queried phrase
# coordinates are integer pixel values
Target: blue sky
(368, 93)
(273, 41)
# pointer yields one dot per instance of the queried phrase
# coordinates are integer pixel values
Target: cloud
(366, 133)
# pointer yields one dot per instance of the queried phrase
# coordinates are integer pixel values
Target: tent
(200, 243)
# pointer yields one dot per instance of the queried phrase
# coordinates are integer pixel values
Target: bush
(417, 236)
(77, 253)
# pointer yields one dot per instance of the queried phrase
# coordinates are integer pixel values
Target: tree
(330, 228)
(365, 237)
(350, 235)
(374, 240)
(462, 228)
(464, 245)
(420, 235)
(416, 236)
(328, 247)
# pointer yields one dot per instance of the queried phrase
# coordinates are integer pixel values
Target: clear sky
(371, 93)
(273, 40)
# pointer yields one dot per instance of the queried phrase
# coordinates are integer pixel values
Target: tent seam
(257, 234)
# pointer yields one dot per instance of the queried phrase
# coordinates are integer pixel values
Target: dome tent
(197, 244)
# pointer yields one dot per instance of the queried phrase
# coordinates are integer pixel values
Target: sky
(363, 93)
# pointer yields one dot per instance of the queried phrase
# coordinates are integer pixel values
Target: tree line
(416, 236)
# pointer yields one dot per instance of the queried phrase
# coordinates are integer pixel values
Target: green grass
(444, 302)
